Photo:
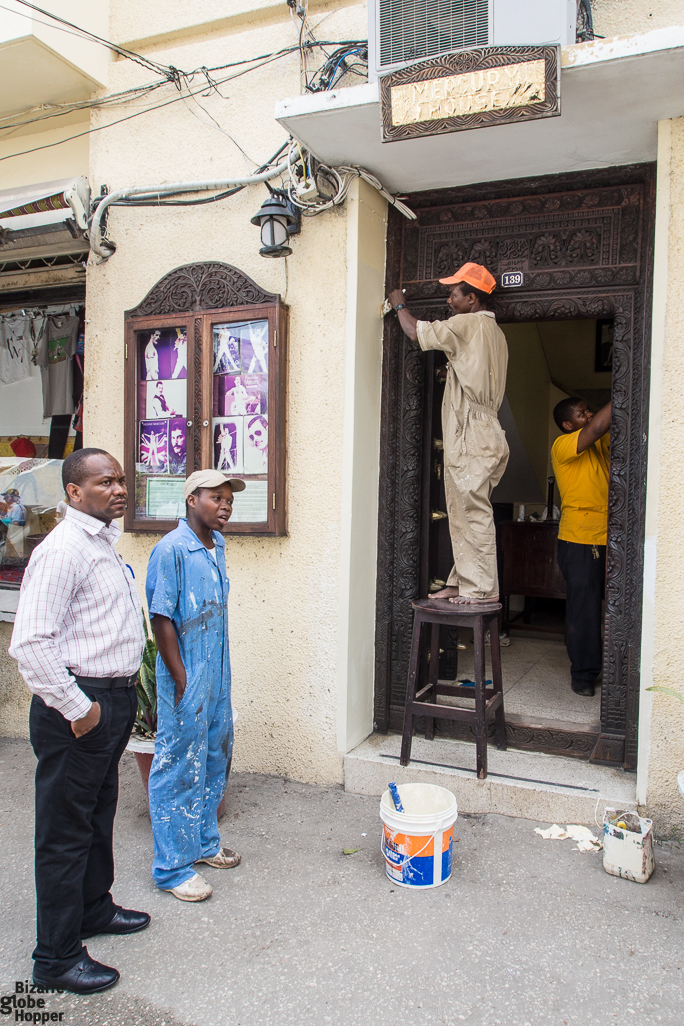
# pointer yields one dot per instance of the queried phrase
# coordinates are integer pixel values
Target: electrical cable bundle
(337, 65)
(172, 76)
(332, 185)
(320, 186)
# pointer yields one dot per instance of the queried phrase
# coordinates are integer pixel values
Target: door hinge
(275, 338)
(274, 500)
(126, 357)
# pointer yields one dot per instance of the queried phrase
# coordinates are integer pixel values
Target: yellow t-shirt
(583, 485)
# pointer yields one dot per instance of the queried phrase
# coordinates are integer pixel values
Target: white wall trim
(660, 286)
(366, 249)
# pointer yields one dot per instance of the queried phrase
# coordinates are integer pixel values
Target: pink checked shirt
(79, 610)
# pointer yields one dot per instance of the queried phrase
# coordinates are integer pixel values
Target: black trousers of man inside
(584, 570)
(77, 786)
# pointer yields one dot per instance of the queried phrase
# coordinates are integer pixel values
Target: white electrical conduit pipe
(104, 248)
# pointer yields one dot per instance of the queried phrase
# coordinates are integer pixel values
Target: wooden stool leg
(433, 677)
(497, 682)
(407, 736)
(480, 698)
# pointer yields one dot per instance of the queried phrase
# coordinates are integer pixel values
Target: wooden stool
(488, 701)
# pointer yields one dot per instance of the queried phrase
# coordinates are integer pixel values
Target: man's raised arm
(407, 320)
(597, 426)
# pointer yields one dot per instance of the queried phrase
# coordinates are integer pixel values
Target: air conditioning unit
(404, 32)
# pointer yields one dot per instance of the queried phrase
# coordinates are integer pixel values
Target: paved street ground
(526, 932)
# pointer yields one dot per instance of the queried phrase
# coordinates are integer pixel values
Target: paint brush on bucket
(394, 791)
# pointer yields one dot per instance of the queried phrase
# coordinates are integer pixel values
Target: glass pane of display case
(240, 412)
(161, 422)
(30, 491)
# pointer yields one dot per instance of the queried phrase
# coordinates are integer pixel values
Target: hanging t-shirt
(15, 349)
(54, 357)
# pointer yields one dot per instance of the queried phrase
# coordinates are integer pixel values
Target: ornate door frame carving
(585, 243)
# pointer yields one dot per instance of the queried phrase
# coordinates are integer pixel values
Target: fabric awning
(45, 203)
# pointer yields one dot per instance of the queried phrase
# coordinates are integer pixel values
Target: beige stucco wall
(62, 157)
(621, 17)
(527, 390)
(285, 592)
(661, 736)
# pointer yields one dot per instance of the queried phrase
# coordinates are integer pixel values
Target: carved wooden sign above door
(476, 88)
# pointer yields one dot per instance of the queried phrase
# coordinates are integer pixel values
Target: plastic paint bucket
(417, 844)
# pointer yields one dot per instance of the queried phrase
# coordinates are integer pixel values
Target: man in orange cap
(475, 447)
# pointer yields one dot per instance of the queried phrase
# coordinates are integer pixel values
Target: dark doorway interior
(584, 245)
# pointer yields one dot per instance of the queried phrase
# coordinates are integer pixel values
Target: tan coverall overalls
(475, 447)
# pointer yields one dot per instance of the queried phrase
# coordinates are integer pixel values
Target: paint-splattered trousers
(189, 771)
(472, 468)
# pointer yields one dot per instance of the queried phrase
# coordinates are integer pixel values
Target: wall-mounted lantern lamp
(278, 220)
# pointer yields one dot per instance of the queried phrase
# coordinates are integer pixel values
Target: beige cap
(211, 479)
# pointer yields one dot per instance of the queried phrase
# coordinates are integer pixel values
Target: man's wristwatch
(399, 306)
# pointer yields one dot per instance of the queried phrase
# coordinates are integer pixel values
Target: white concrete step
(531, 785)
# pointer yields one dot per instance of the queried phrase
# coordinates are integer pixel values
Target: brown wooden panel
(530, 566)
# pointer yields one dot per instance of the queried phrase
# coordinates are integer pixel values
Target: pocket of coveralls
(485, 437)
(189, 683)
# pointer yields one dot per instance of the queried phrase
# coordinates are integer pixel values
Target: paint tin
(628, 852)
(417, 843)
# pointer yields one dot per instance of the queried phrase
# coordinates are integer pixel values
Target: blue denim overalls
(194, 738)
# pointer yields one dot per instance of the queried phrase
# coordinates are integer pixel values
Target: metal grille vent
(412, 30)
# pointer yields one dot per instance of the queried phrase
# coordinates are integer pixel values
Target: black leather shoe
(583, 689)
(125, 920)
(86, 977)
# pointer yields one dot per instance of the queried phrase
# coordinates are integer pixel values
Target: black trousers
(77, 786)
(584, 570)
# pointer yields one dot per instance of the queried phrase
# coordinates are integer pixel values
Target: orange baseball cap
(475, 275)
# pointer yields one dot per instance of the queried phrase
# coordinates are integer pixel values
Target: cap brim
(457, 281)
(236, 483)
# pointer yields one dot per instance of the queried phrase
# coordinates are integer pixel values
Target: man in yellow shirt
(581, 460)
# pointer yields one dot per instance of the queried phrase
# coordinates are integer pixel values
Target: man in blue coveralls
(187, 597)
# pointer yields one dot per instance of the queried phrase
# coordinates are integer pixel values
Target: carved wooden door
(585, 245)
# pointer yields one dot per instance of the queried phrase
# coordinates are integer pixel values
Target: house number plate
(512, 279)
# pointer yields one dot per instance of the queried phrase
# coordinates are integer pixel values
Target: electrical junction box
(306, 190)
(404, 32)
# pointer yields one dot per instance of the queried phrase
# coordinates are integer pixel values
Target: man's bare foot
(445, 593)
(467, 600)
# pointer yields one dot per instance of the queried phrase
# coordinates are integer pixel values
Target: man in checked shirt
(78, 639)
